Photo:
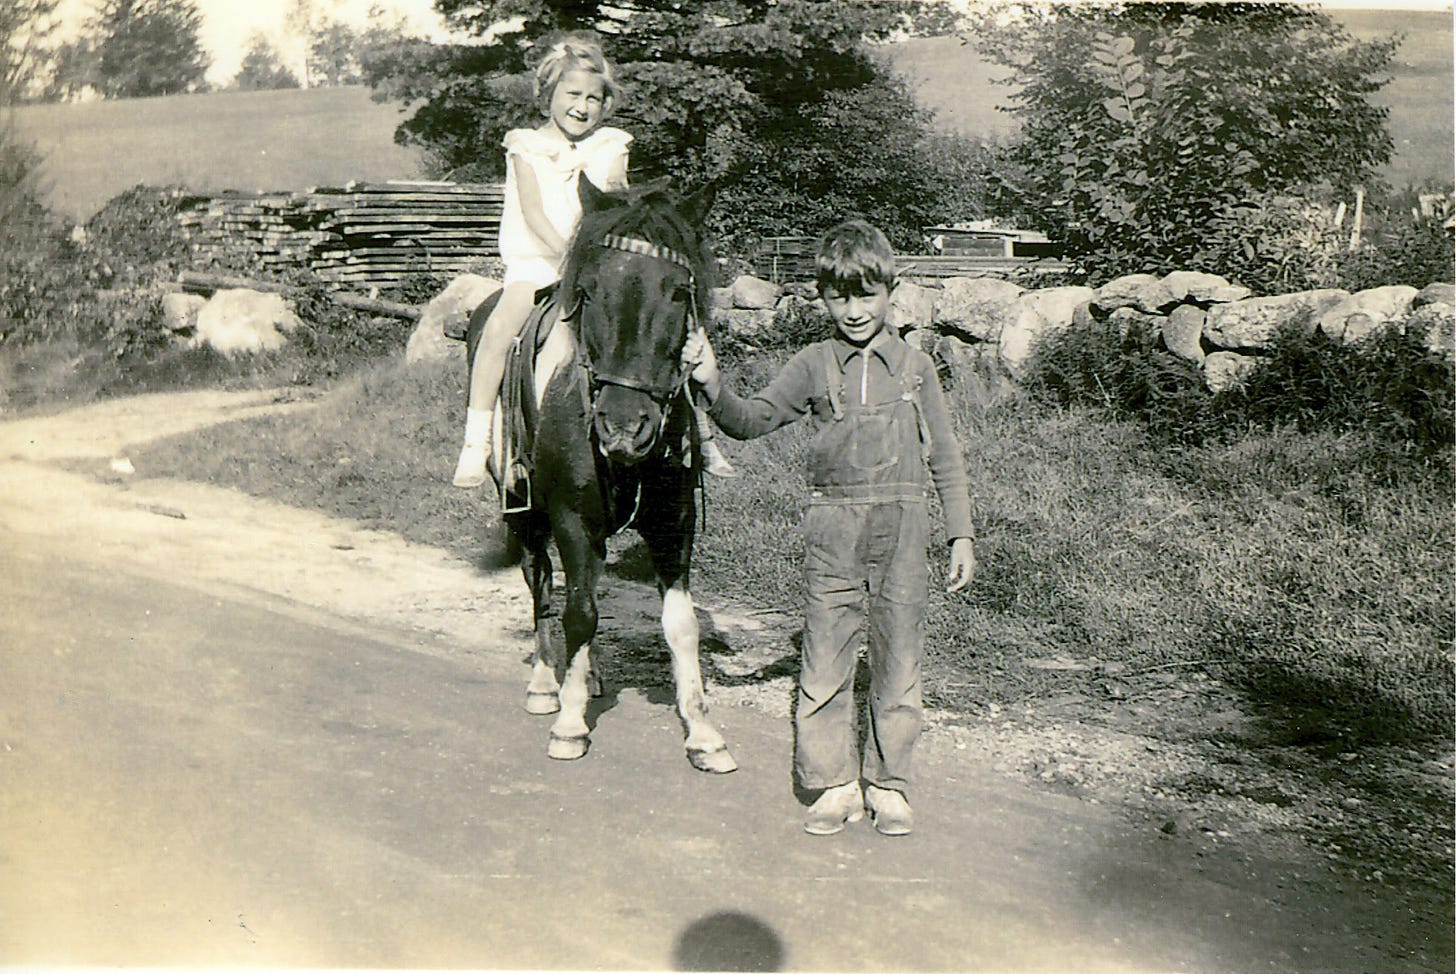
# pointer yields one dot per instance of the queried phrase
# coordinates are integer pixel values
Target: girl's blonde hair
(574, 52)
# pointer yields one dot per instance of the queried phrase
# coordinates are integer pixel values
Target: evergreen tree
(262, 69)
(785, 104)
(148, 47)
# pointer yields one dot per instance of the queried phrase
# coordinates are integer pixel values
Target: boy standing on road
(880, 426)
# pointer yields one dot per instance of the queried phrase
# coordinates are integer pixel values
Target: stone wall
(1202, 318)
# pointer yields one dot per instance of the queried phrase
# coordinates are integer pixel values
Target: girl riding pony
(576, 90)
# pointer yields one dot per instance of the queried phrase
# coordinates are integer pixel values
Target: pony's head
(637, 275)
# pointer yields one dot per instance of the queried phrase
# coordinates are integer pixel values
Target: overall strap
(912, 382)
(834, 382)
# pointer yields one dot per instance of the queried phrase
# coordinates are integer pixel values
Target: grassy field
(248, 140)
(1289, 565)
(280, 140)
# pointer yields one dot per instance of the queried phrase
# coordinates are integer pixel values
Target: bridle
(662, 395)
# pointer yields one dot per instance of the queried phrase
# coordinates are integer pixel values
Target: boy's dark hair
(852, 256)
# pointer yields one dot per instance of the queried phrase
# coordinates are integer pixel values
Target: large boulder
(1254, 322)
(179, 310)
(911, 306)
(1183, 332)
(1365, 311)
(1057, 306)
(449, 310)
(754, 293)
(1142, 291)
(1435, 294)
(238, 320)
(1203, 288)
(1038, 312)
(1224, 370)
(977, 307)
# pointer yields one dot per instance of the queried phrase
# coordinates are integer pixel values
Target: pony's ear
(696, 206)
(592, 199)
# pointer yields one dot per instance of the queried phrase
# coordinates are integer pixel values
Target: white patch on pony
(680, 628)
(559, 348)
(571, 722)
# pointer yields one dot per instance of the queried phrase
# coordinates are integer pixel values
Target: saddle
(517, 407)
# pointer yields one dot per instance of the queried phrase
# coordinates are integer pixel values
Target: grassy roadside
(1278, 562)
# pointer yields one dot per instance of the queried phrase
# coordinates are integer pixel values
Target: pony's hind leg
(542, 693)
(706, 748)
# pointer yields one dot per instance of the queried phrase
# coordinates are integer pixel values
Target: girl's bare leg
(486, 371)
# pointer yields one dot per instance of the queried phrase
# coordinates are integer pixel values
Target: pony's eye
(682, 294)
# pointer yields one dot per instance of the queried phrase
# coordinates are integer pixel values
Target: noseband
(659, 394)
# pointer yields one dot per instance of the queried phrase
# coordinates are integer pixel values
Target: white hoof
(540, 703)
(567, 748)
(716, 761)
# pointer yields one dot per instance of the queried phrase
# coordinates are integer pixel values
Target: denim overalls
(865, 533)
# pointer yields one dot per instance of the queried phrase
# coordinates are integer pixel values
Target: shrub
(1389, 385)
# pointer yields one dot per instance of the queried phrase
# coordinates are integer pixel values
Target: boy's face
(859, 313)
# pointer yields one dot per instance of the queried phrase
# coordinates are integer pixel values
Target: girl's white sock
(477, 426)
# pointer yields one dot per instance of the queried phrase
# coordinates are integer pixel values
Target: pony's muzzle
(626, 426)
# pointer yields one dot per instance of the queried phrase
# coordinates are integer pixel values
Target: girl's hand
(962, 564)
(697, 354)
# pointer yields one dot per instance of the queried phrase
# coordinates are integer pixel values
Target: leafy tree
(75, 69)
(337, 51)
(1145, 124)
(784, 104)
(148, 47)
(24, 26)
(262, 69)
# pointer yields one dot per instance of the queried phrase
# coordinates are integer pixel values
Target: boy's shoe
(889, 810)
(470, 470)
(714, 462)
(834, 808)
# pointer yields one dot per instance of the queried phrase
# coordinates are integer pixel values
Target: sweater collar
(887, 345)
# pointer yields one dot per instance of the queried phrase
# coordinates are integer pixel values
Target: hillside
(252, 140)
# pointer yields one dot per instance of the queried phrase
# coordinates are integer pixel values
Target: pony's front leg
(570, 734)
(705, 746)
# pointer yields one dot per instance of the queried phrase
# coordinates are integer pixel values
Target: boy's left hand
(962, 564)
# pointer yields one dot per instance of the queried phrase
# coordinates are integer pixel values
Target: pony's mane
(648, 212)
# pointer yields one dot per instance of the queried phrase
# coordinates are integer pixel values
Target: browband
(635, 245)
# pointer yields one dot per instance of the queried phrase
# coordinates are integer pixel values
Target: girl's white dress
(556, 164)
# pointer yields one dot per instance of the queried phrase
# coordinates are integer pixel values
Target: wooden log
(202, 283)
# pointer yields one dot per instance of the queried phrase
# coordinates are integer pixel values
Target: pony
(604, 440)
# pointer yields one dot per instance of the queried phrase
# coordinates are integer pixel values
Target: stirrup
(511, 483)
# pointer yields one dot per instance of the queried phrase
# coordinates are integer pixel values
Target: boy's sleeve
(782, 401)
(947, 463)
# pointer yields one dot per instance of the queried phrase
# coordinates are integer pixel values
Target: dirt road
(236, 733)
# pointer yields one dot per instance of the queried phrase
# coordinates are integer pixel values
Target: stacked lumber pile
(364, 235)
(783, 259)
